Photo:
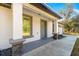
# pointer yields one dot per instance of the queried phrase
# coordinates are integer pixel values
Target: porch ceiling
(8, 5)
(45, 9)
(39, 11)
(37, 8)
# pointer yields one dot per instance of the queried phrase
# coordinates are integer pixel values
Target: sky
(59, 6)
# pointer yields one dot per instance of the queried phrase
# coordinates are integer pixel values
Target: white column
(17, 40)
(56, 26)
(17, 20)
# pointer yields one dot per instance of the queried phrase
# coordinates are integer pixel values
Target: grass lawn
(75, 51)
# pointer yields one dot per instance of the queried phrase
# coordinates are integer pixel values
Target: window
(27, 26)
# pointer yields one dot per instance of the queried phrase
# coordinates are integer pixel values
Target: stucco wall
(49, 29)
(60, 30)
(36, 26)
(56, 26)
(5, 27)
(17, 20)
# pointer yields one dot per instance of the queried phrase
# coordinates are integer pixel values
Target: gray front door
(43, 29)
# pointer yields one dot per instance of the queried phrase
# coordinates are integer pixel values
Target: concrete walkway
(61, 47)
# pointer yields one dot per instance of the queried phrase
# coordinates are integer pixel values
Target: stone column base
(6, 52)
(55, 36)
(17, 46)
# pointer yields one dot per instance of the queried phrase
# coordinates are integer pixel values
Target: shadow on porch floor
(35, 44)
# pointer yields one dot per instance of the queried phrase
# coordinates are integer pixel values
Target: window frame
(31, 23)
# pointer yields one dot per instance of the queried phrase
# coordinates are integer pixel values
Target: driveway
(61, 47)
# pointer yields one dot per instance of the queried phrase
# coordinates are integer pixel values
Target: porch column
(56, 26)
(55, 29)
(17, 40)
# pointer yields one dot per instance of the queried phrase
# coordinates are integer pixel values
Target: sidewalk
(61, 47)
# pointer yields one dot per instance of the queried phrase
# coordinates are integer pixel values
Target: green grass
(75, 51)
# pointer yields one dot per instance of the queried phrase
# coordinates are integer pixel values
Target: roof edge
(52, 10)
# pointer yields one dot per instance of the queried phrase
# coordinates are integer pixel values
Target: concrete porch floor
(61, 47)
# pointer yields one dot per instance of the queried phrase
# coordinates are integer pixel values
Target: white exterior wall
(49, 29)
(60, 30)
(5, 27)
(56, 26)
(17, 12)
(36, 26)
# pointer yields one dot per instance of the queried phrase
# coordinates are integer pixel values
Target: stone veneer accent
(0, 53)
(15, 50)
(6, 52)
(17, 46)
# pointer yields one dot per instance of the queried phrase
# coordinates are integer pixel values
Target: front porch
(62, 47)
(25, 23)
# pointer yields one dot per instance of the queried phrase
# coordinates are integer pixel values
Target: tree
(72, 25)
(67, 11)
